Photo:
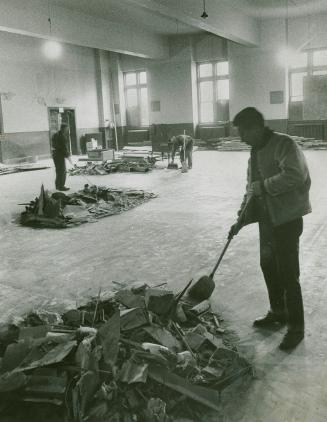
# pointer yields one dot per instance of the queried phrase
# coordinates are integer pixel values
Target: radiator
(307, 130)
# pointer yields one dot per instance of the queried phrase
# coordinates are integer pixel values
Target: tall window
(213, 91)
(136, 95)
(312, 62)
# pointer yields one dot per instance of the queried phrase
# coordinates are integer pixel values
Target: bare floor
(174, 238)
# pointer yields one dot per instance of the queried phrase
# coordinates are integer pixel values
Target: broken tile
(132, 372)
(132, 318)
(164, 337)
(129, 299)
(159, 301)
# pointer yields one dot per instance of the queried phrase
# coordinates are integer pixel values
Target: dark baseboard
(278, 125)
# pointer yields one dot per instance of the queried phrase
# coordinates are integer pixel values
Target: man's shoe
(291, 340)
(270, 320)
(63, 189)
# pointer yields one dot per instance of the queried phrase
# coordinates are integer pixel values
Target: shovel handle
(220, 257)
(230, 239)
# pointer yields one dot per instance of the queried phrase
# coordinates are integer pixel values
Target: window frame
(214, 78)
(310, 70)
(138, 86)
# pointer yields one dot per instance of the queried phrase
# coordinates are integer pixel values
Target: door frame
(73, 109)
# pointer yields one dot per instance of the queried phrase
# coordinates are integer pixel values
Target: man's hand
(70, 160)
(234, 230)
(256, 189)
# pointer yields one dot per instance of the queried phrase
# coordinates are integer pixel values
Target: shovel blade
(202, 289)
(172, 166)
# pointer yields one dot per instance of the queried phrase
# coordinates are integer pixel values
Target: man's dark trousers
(60, 165)
(279, 260)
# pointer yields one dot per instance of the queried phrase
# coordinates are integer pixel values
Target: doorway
(58, 115)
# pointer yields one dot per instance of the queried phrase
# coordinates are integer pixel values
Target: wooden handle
(230, 239)
(220, 257)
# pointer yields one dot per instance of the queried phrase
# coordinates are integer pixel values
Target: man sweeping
(60, 152)
(279, 183)
(185, 144)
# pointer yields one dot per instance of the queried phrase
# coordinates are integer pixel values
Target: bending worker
(278, 185)
(185, 143)
(60, 151)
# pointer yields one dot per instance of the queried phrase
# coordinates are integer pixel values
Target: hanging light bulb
(204, 14)
(52, 49)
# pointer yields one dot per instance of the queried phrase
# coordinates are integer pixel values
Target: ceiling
(159, 19)
(129, 14)
(280, 8)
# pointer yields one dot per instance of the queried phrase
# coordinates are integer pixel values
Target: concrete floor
(174, 238)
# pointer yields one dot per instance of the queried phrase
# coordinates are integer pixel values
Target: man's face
(251, 136)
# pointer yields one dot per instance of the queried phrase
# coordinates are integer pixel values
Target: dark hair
(63, 126)
(248, 118)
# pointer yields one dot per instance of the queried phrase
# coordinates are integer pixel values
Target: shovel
(204, 287)
(172, 166)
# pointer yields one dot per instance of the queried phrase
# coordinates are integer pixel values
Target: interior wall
(172, 83)
(256, 71)
(35, 83)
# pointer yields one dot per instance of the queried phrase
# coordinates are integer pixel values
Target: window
(320, 58)
(308, 63)
(213, 91)
(297, 86)
(299, 60)
(136, 96)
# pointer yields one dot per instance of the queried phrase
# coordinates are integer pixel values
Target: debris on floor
(115, 166)
(222, 144)
(115, 359)
(310, 143)
(233, 143)
(60, 210)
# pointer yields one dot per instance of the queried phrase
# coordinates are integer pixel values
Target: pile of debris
(309, 143)
(59, 210)
(114, 166)
(223, 144)
(141, 354)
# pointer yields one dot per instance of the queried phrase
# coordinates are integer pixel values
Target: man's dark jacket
(60, 145)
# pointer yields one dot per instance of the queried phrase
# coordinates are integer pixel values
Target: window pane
(223, 89)
(144, 107)
(320, 58)
(142, 77)
(205, 70)
(131, 96)
(299, 60)
(297, 86)
(222, 68)
(320, 72)
(206, 91)
(206, 112)
(130, 78)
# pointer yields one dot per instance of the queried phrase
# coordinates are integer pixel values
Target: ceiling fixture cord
(49, 19)
(204, 14)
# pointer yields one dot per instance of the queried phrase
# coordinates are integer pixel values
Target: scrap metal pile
(59, 210)
(116, 166)
(142, 354)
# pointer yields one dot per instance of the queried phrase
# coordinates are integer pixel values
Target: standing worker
(279, 183)
(60, 151)
(184, 142)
